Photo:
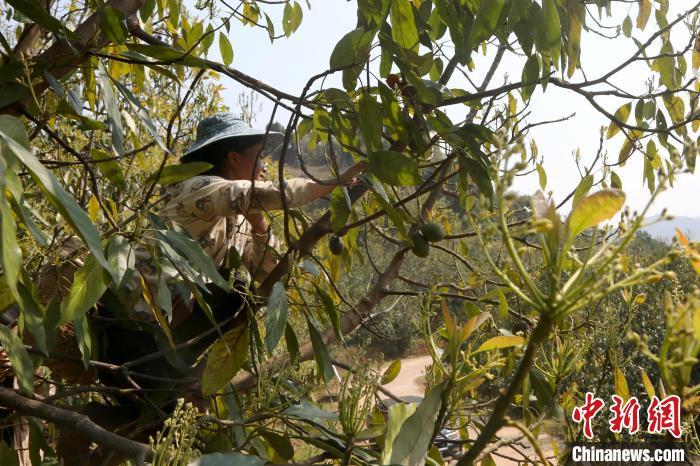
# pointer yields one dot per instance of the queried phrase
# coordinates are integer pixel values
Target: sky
(289, 62)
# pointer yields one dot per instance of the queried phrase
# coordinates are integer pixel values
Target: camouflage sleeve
(210, 197)
(266, 195)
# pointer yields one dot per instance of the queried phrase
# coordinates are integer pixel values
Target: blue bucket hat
(226, 125)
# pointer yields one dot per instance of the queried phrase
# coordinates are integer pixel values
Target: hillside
(666, 230)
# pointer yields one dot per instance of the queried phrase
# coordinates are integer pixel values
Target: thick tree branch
(64, 56)
(26, 45)
(78, 422)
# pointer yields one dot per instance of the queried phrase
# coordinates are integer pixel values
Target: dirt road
(411, 382)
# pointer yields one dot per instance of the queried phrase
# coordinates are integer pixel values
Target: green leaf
(181, 172)
(323, 358)
(7, 297)
(413, 439)
(339, 207)
(344, 52)
(114, 24)
(8, 456)
(191, 249)
(223, 364)
(76, 217)
(615, 181)
(225, 48)
(486, 21)
(292, 342)
(391, 372)
(542, 175)
(15, 130)
(109, 167)
(576, 15)
(398, 414)
(121, 257)
(35, 11)
(478, 174)
(25, 212)
(531, 74)
(627, 27)
(11, 254)
(370, 121)
(113, 115)
(281, 445)
(667, 68)
(548, 33)
(174, 9)
(330, 309)
(270, 28)
(142, 113)
(625, 151)
(19, 359)
(644, 13)
(208, 39)
(147, 9)
(648, 386)
(251, 12)
(622, 114)
(503, 341)
(89, 283)
(502, 304)
(621, 388)
(403, 25)
(276, 316)
(32, 313)
(393, 168)
(55, 86)
(291, 19)
(676, 109)
(582, 189)
(594, 209)
(164, 299)
(309, 411)
(227, 459)
(84, 339)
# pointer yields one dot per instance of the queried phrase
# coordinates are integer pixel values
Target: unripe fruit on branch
(420, 248)
(432, 232)
(336, 246)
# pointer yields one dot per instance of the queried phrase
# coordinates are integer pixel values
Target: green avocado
(432, 232)
(335, 244)
(420, 248)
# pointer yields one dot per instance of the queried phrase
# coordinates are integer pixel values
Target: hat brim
(273, 141)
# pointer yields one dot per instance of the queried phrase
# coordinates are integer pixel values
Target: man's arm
(300, 194)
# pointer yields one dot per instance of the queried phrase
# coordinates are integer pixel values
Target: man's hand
(258, 223)
(348, 176)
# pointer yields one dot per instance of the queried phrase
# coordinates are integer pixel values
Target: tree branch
(78, 422)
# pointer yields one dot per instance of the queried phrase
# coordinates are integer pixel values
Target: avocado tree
(98, 99)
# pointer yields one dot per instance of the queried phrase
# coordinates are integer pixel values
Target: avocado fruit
(335, 244)
(420, 247)
(432, 232)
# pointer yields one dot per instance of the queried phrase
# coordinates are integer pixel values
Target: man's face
(246, 165)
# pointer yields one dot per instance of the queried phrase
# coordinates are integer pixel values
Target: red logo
(587, 412)
(625, 415)
(665, 415)
(662, 415)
